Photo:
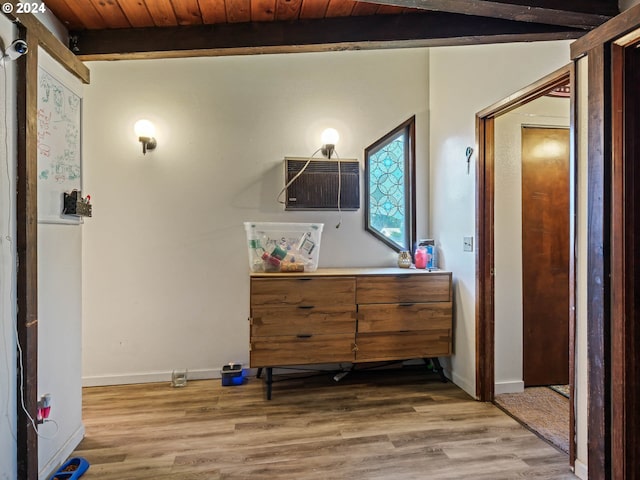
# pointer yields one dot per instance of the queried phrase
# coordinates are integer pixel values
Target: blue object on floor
(232, 374)
(72, 469)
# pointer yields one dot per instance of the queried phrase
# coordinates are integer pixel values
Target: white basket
(283, 247)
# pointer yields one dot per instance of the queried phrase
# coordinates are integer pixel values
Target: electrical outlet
(467, 244)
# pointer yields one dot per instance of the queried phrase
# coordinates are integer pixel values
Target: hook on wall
(468, 154)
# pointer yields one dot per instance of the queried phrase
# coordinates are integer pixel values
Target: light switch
(467, 244)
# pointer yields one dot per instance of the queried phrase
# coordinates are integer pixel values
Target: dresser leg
(439, 369)
(269, 382)
(259, 374)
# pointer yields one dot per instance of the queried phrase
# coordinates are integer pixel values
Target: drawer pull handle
(406, 304)
(305, 279)
(305, 307)
(405, 275)
(304, 335)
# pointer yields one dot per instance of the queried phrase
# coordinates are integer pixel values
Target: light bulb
(144, 128)
(146, 132)
(330, 136)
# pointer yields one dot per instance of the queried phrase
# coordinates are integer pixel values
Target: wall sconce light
(145, 131)
(329, 139)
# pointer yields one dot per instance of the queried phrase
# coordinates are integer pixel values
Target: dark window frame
(407, 127)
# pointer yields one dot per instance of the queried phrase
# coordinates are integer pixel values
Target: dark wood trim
(27, 253)
(614, 28)
(598, 266)
(619, 270)
(612, 334)
(409, 128)
(625, 341)
(111, 54)
(568, 13)
(631, 440)
(537, 89)
(485, 307)
(485, 337)
(572, 266)
(340, 33)
(54, 47)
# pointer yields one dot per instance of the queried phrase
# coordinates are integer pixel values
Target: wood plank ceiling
(112, 29)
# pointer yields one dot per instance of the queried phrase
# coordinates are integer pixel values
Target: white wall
(8, 452)
(165, 264)
(544, 111)
(463, 81)
(164, 260)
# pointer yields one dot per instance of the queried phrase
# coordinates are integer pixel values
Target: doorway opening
(524, 264)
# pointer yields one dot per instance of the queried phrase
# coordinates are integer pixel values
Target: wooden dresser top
(352, 271)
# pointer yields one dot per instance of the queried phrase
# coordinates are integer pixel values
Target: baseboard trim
(208, 374)
(508, 387)
(461, 382)
(61, 455)
(148, 377)
(202, 374)
(581, 470)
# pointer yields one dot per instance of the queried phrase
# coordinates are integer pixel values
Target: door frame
(613, 346)
(485, 191)
(37, 36)
(625, 226)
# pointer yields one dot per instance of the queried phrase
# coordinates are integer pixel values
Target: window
(390, 187)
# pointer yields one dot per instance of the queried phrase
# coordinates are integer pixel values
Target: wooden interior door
(545, 255)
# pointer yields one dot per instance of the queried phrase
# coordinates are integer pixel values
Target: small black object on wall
(74, 204)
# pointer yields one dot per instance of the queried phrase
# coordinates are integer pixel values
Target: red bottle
(421, 257)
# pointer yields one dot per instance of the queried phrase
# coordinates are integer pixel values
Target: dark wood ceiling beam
(570, 13)
(344, 33)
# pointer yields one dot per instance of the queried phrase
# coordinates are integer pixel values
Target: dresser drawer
(392, 346)
(417, 288)
(301, 350)
(303, 291)
(399, 317)
(292, 320)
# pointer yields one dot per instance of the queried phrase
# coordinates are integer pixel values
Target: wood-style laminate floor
(396, 425)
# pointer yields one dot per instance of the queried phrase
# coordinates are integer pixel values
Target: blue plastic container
(232, 375)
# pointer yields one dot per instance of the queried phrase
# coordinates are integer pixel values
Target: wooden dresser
(349, 315)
